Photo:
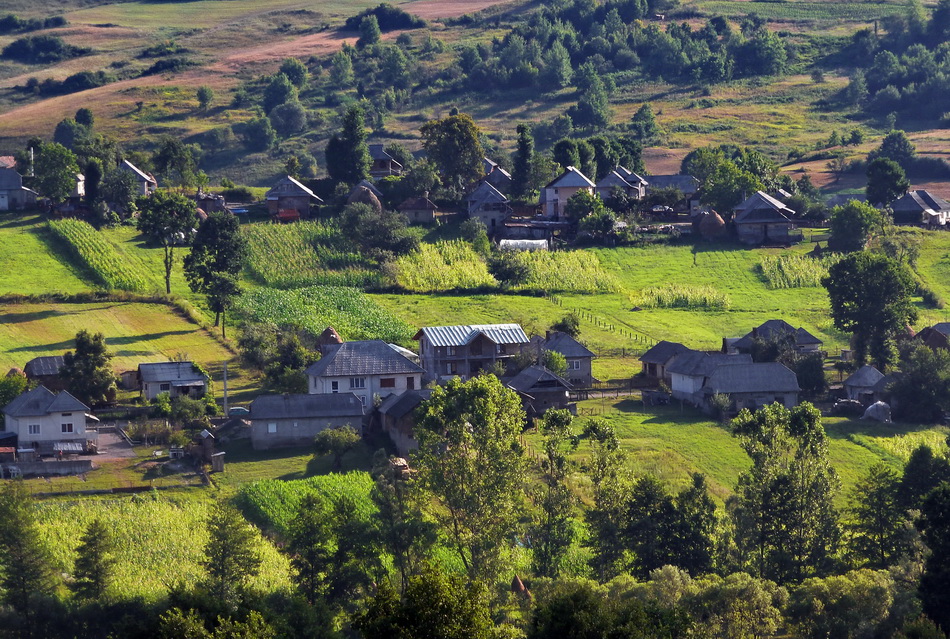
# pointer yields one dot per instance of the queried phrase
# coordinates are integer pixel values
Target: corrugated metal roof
(170, 372)
(699, 364)
(43, 366)
(462, 335)
(865, 376)
(303, 406)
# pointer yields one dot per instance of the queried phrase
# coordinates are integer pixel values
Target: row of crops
(795, 271)
(347, 309)
(444, 266)
(304, 254)
(159, 542)
(564, 271)
(104, 261)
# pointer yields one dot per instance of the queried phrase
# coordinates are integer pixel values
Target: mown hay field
(28, 266)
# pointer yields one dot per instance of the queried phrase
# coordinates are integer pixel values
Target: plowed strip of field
(435, 9)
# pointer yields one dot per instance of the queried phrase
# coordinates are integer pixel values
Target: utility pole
(225, 389)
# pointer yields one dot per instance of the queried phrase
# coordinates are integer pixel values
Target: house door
(4, 202)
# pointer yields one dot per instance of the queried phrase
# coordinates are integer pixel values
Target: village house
(368, 369)
(752, 386)
(761, 219)
(936, 336)
(921, 207)
(579, 358)
(690, 369)
(861, 383)
(146, 182)
(685, 184)
(557, 192)
(383, 164)
(541, 389)
(420, 210)
(463, 351)
(495, 175)
(489, 205)
(631, 184)
(397, 416)
(50, 423)
(658, 357)
(178, 379)
(211, 202)
(290, 200)
(294, 420)
(13, 195)
(774, 330)
(45, 371)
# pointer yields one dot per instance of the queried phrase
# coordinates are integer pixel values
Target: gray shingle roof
(44, 366)
(571, 177)
(303, 406)
(532, 376)
(685, 183)
(775, 329)
(919, 201)
(865, 376)
(170, 372)
(762, 207)
(566, 345)
(462, 335)
(485, 194)
(398, 406)
(699, 364)
(662, 352)
(770, 377)
(42, 401)
(369, 357)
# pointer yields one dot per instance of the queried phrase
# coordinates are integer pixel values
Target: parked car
(238, 411)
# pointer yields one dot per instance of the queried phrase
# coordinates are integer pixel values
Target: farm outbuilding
(294, 420)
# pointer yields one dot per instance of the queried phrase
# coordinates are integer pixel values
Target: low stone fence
(33, 469)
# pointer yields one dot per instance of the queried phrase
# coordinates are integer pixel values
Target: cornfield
(272, 503)
(304, 254)
(346, 309)
(794, 271)
(676, 296)
(443, 266)
(564, 271)
(901, 446)
(158, 542)
(98, 255)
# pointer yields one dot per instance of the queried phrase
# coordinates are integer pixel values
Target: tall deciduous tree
(870, 297)
(296, 71)
(369, 31)
(347, 154)
(279, 91)
(231, 555)
(176, 161)
(471, 463)
(611, 484)
(86, 368)
(886, 181)
(94, 565)
(852, 225)
(784, 519)
(336, 442)
(922, 392)
(215, 260)
(167, 219)
(553, 531)
(453, 144)
(521, 172)
(56, 168)
(935, 582)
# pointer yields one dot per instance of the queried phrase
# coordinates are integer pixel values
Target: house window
(357, 382)
(295, 424)
(271, 427)
(410, 382)
(574, 364)
(164, 388)
(387, 382)
(450, 351)
(334, 387)
(67, 414)
(67, 428)
(501, 349)
(34, 429)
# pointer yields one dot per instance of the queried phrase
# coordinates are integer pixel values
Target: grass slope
(28, 266)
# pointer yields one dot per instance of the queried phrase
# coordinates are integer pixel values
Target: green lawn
(27, 264)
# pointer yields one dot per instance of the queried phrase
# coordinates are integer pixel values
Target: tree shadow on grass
(147, 337)
(64, 345)
(17, 318)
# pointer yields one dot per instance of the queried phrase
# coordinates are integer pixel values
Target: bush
(72, 84)
(169, 65)
(13, 24)
(42, 49)
(258, 134)
(288, 118)
(390, 18)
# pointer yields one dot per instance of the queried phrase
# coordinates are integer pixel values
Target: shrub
(169, 65)
(390, 18)
(41, 49)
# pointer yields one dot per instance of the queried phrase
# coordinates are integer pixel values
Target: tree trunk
(169, 262)
(221, 314)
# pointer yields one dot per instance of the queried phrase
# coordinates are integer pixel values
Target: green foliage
(167, 219)
(444, 266)
(258, 134)
(877, 521)
(205, 97)
(348, 310)
(567, 271)
(554, 362)
(216, 257)
(12, 386)
(644, 124)
(27, 574)
(41, 49)
(570, 324)
(56, 168)
(935, 528)
(95, 562)
(279, 91)
(923, 389)
(852, 226)
(347, 155)
(369, 31)
(454, 145)
(232, 555)
(794, 271)
(378, 234)
(86, 369)
(296, 71)
(677, 296)
(886, 181)
(337, 442)
(96, 253)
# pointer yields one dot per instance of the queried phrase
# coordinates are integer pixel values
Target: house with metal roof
(367, 368)
(45, 370)
(752, 386)
(761, 219)
(921, 207)
(861, 383)
(288, 196)
(294, 420)
(13, 195)
(579, 358)
(495, 175)
(488, 204)
(382, 164)
(175, 378)
(631, 184)
(775, 330)
(656, 359)
(557, 192)
(463, 351)
(542, 389)
(419, 210)
(50, 423)
(397, 416)
(146, 181)
(690, 369)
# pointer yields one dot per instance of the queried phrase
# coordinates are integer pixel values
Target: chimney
(425, 194)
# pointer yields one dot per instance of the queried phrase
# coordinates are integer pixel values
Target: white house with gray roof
(753, 386)
(294, 420)
(463, 351)
(690, 370)
(555, 194)
(146, 182)
(634, 186)
(50, 422)
(488, 204)
(365, 368)
(174, 378)
(579, 358)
